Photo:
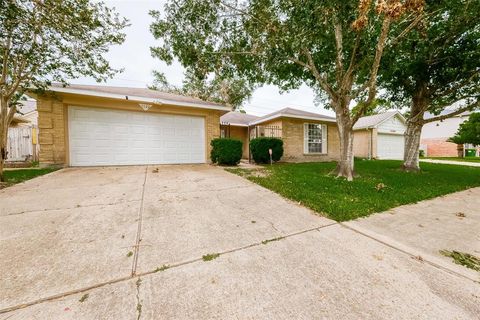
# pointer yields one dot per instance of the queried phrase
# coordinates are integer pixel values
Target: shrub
(259, 149)
(226, 151)
(421, 153)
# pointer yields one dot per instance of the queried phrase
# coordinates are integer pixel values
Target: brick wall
(241, 134)
(439, 147)
(293, 142)
(53, 122)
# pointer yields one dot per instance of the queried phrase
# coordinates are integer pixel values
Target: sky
(133, 56)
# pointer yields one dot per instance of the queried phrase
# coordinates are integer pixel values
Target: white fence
(22, 144)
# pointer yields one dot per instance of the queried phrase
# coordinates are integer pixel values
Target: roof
(429, 115)
(293, 113)
(238, 118)
(375, 120)
(137, 94)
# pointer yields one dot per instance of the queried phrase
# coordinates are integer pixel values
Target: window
(315, 138)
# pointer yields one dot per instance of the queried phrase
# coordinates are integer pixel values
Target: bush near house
(259, 149)
(226, 151)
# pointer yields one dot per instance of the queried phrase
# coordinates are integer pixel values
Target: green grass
(20, 175)
(467, 159)
(210, 256)
(381, 185)
(464, 259)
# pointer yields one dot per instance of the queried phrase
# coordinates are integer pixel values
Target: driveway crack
(137, 296)
(138, 238)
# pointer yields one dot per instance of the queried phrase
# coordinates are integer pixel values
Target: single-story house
(88, 125)
(435, 135)
(306, 136)
(380, 136)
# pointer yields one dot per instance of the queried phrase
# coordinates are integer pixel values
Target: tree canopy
(438, 59)
(51, 40)
(469, 131)
(335, 47)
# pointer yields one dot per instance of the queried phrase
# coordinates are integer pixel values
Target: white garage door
(390, 146)
(100, 137)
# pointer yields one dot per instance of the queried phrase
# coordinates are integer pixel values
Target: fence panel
(20, 144)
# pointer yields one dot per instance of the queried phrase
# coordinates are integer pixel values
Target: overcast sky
(134, 57)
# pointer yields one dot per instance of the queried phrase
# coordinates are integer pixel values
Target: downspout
(249, 152)
(371, 144)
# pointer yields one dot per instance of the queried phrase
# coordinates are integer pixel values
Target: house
(435, 135)
(22, 136)
(306, 136)
(88, 125)
(380, 136)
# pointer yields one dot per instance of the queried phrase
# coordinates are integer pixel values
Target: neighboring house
(306, 136)
(380, 136)
(84, 125)
(435, 135)
(22, 133)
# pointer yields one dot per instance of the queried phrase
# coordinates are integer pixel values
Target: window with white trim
(315, 138)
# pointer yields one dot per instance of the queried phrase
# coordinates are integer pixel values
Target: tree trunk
(3, 135)
(412, 146)
(414, 129)
(345, 165)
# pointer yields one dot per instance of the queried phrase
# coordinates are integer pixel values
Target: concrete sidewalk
(458, 163)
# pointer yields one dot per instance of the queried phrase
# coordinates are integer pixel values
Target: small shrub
(421, 153)
(226, 151)
(259, 148)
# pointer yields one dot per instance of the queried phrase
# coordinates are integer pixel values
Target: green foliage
(231, 92)
(465, 259)
(210, 256)
(259, 148)
(469, 131)
(439, 59)
(226, 151)
(311, 185)
(56, 40)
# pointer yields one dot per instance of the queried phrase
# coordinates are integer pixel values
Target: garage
(390, 146)
(380, 136)
(99, 137)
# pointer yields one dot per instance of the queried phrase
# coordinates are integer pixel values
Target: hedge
(226, 151)
(259, 149)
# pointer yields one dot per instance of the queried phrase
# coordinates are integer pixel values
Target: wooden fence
(22, 144)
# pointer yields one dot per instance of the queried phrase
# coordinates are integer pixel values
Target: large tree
(435, 68)
(51, 40)
(335, 47)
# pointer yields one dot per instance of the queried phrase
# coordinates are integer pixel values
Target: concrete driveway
(127, 243)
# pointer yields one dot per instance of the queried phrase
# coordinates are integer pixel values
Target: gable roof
(293, 113)
(237, 118)
(376, 119)
(137, 94)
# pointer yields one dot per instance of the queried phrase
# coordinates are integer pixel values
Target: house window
(315, 138)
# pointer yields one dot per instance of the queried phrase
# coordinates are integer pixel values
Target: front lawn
(20, 175)
(468, 159)
(381, 185)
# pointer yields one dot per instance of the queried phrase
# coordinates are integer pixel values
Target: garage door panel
(112, 137)
(390, 146)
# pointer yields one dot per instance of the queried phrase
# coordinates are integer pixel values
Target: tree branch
(453, 113)
(321, 80)
(339, 48)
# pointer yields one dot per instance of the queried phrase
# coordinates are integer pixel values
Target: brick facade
(53, 121)
(293, 141)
